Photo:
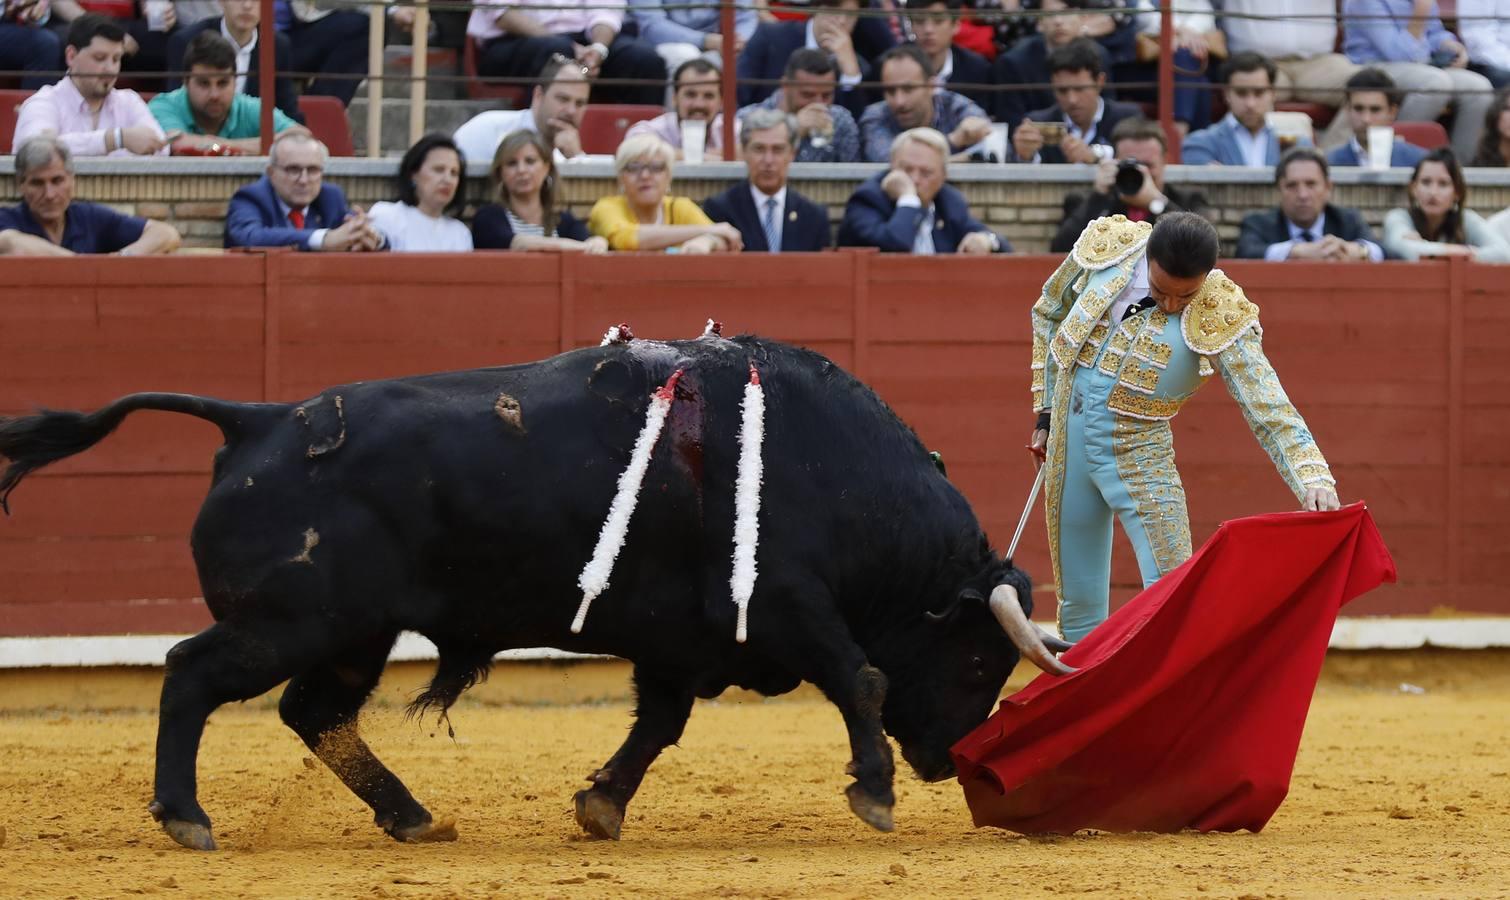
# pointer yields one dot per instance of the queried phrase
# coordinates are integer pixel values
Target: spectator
(1198, 49)
(1081, 120)
(85, 109)
(329, 41)
(1494, 144)
(644, 216)
(826, 132)
(1119, 192)
(1024, 66)
(519, 37)
(523, 215)
(290, 206)
(554, 113)
(1306, 225)
(770, 216)
(1372, 101)
(145, 41)
(699, 97)
(851, 42)
(429, 198)
(207, 111)
(1438, 221)
(1406, 39)
(1299, 36)
(238, 23)
(909, 208)
(680, 33)
(1243, 136)
(913, 102)
(49, 222)
(935, 25)
(1485, 26)
(26, 45)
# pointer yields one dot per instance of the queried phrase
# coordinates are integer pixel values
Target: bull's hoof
(426, 832)
(189, 834)
(872, 812)
(598, 816)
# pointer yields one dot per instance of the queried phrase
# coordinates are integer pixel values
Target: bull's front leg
(663, 703)
(860, 692)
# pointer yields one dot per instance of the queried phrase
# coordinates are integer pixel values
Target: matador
(1129, 326)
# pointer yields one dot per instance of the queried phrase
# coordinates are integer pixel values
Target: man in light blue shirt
(1243, 137)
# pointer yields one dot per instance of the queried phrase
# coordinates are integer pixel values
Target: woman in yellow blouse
(643, 217)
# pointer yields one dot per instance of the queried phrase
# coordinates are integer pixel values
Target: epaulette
(1217, 315)
(1109, 240)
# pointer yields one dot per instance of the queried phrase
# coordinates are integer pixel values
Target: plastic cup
(694, 139)
(1381, 145)
(157, 14)
(996, 142)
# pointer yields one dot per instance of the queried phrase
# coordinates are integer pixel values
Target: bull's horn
(1023, 633)
(1053, 642)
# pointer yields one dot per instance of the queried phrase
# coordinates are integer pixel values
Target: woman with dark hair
(1438, 221)
(429, 189)
(523, 215)
(1494, 145)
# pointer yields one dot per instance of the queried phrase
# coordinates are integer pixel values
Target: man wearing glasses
(291, 207)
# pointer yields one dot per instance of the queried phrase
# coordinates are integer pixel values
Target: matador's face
(1171, 293)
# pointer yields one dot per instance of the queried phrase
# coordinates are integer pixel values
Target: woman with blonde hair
(523, 215)
(644, 217)
(1438, 221)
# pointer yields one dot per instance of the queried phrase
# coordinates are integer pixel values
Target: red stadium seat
(478, 89)
(603, 126)
(326, 118)
(10, 107)
(1426, 135)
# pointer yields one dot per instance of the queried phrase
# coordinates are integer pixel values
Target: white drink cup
(995, 143)
(157, 14)
(694, 140)
(1381, 146)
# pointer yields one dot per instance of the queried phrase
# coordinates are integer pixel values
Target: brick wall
(1022, 202)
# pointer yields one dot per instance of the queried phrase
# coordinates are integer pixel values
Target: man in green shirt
(208, 110)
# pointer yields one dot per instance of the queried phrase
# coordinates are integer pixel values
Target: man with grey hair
(49, 222)
(291, 206)
(909, 209)
(770, 216)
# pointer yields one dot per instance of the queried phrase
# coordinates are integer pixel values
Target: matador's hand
(1321, 499)
(1037, 443)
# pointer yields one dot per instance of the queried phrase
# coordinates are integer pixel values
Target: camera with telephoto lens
(1129, 177)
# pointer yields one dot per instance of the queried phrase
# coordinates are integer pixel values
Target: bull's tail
(31, 442)
(459, 668)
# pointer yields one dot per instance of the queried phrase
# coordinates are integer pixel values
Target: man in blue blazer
(770, 216)
(1373, 99)
(852, 41)
(910, 209)
(1243, 137)
(291, 207)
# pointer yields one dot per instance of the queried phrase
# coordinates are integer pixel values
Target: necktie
(768, 225)
(1145, 303)
(1306, 237)
(296, 216)
(922, 241)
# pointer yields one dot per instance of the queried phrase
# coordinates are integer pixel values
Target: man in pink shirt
(84, 110)
(517, 37)
(698, 98)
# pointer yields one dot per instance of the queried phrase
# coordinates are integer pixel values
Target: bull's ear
(968, 595)
(971, 595)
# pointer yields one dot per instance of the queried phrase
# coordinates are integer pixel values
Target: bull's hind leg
(321, 706)
(219, 665)
(662, 706)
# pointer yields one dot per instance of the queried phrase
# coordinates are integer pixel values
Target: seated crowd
(919, 86)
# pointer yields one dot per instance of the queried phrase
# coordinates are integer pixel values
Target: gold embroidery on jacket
(1127, 403)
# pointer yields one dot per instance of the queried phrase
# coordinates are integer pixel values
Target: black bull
(463, 506)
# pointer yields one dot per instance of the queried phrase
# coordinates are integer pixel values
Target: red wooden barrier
(1400, 369)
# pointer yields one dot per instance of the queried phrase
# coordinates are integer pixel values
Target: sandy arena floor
(1395, 794)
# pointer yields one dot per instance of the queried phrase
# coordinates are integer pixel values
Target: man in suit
(290, 206)
(238, 24)
(1306, 225)
(1142, 142)
(770, 216)
(935, 24)
(1243, 137)
(1373, 100)
(852, 42)
(1081, 119)
(910, 209)
(1027, 61)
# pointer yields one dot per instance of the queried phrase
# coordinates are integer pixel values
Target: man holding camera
(1131, 184)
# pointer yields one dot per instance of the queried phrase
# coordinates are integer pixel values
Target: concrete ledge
(1375, 633)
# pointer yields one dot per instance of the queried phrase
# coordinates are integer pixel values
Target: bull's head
(968, 648)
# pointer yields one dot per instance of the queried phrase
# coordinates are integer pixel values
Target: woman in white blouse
(1438, 221)
(429, 188)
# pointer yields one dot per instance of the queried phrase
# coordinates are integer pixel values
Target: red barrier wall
(1399, 368)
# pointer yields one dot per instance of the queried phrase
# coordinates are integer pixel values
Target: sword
(1026, 511)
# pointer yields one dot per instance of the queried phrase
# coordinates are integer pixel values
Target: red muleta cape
(1188, 705)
